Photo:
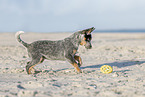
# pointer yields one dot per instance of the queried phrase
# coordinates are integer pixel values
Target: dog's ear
(87, 31)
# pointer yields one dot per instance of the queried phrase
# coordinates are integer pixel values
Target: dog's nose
(90, 46)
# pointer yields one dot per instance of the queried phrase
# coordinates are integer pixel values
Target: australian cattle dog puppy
(57, 50)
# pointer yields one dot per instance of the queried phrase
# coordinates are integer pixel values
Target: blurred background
(72, 15)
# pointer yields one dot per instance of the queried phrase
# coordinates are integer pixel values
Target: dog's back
(53, 50)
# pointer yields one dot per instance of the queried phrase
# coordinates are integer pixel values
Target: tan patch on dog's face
(83, 42)
(74, 51)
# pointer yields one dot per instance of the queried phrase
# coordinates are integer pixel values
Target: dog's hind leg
(78, 58)
(34, 62)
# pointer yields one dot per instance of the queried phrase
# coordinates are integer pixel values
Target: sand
(125, 52)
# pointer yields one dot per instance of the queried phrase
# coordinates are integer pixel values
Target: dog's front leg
(73, 62)
(79, 60)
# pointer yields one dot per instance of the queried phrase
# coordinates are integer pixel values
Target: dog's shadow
(117, 64)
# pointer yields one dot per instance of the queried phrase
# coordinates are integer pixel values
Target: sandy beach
(125, 52)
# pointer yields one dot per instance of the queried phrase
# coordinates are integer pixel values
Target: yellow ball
(106, 69)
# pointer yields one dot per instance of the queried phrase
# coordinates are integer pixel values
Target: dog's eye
(88, 37)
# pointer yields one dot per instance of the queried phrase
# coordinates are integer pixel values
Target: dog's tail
(17, 35)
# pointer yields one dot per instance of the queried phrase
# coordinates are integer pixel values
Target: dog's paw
(79, 64)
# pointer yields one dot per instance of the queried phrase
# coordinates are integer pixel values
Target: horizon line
(105, 30)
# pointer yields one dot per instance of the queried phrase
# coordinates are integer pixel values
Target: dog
(64, 49)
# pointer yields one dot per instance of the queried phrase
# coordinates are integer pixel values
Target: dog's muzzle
(88, 45)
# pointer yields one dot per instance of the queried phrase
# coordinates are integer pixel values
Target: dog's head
(86, 37)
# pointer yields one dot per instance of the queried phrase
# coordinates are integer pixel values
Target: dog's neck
(74, 39)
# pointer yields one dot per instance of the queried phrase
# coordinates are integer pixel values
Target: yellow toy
(106, 69)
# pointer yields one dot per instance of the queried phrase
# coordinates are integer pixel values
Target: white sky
(70, 15)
